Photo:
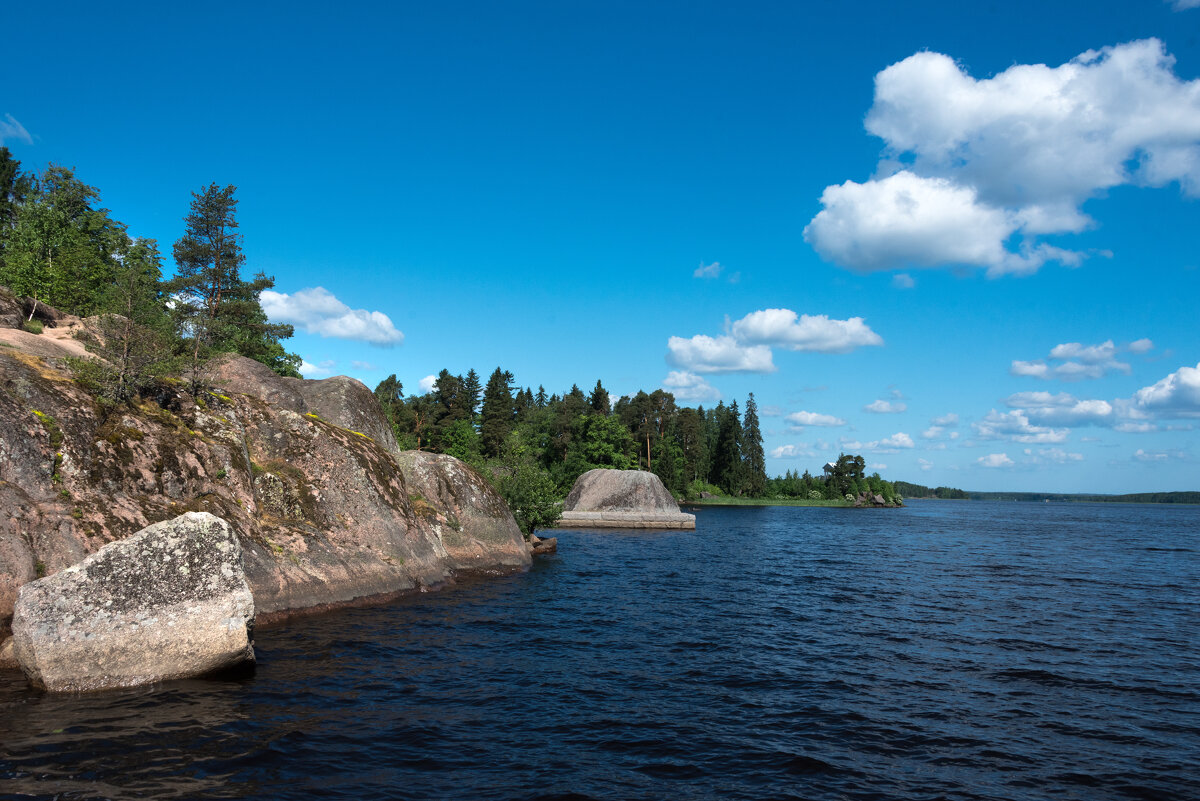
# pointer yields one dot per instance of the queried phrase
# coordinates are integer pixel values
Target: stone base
(658, 521)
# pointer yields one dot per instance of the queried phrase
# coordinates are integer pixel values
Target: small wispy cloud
(12, 129)
(885, 407)
(1076, 361)
(708, 270)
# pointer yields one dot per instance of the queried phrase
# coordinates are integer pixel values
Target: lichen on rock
(169, 602)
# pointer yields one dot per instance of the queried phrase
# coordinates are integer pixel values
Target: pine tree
(214, 307)
(752, 451)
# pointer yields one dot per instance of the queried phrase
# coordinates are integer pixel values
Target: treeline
(692, 450)
(1136, 497)
(501, 426)
(920, 491)
(60, 248)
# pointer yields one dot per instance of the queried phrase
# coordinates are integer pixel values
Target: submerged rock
(622, 499)
(169, 602)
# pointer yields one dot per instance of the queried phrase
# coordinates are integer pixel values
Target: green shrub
(32, 326)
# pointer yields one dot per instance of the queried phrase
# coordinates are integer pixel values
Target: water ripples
(948, 650)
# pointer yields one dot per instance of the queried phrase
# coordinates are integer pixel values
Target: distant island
(918, 491)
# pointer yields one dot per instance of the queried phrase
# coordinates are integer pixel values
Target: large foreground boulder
(622, 499)
(169, 602)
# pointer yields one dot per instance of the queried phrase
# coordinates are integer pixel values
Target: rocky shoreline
(327, 510)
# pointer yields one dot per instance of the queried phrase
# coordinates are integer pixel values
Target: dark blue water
(951, 650)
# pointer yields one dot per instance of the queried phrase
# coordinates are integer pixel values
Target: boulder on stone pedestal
(622, 499)
(169, 602)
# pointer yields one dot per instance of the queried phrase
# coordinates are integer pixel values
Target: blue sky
(960, 239)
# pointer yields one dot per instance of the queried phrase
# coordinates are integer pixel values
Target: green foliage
(213, 307)
(32, 326)
(460, 441)
(526, 486)
(599, 441)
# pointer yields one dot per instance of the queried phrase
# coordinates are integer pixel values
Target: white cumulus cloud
(975, 170)
(817, 332)
(1015, 426)
(426, 384)
(1177, 395)
(994, 460)
(746, 345)
(1079, 361)
(892, 444)
(689, 386)
(723, 354)
(814, 419)
(318, 311)
(322, 369)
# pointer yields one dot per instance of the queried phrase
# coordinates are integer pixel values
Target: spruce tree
(728, 472)
(598, 400)
(496, 416)
(752, 451)
(471, 389)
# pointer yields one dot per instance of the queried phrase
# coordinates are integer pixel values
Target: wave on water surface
(964, 650)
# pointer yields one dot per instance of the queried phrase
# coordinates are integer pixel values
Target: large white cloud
(689, 386)
(1177, 395)
(905, 220)
(723, 354)
(975, 170)
(816, 332)
(318, 311)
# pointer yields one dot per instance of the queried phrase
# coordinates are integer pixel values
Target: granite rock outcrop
(305, 472)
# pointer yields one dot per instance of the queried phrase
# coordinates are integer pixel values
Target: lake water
(949, 650)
